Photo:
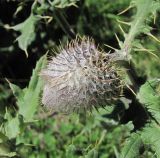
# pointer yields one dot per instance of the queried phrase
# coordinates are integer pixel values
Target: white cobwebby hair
(79, 78)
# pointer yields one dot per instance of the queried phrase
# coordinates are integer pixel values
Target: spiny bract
(79, 78)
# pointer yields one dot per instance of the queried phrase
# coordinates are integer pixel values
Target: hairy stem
(139, 25)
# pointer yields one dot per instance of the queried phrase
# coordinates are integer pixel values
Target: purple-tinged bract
(80, 78)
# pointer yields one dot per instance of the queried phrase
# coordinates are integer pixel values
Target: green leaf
(131, 148)
(27, 30)
(150, 97)
(3, 138)
(17, 91)
(151, 136)
(145, 9)
(70, 151)
(4, 151)
(63, 3)
(29, 103)
(92, 154)
(12, 126)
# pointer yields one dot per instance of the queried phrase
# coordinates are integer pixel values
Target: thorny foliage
(99, 134)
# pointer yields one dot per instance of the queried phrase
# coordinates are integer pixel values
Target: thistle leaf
(28, 98)
(4, 152)
(145, 8)
(12, 126)
(3, 138)
(27, 30)
(29, 103)
(131, 148)
(151, 136)
(63, 3)
(150, 97)
(17, 91)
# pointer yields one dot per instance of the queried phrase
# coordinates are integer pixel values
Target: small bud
(80, 78)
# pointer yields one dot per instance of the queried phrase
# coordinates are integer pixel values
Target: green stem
(138, 26)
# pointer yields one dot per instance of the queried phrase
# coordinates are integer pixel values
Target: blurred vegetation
(29, 29)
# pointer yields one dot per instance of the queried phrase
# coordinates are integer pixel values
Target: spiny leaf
(4, 151)
(145, 8)
(131, 148)
(27, 29)
(63, 3)
(93, 153)
(28, 98)
(30, 101)
(3, 138)
(151, 136)
(150, 97)
(70, 151)
(17, 91)
(12, 126)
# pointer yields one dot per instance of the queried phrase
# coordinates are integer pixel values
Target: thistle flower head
(79, 78)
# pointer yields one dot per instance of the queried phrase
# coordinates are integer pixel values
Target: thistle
(80, 78)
